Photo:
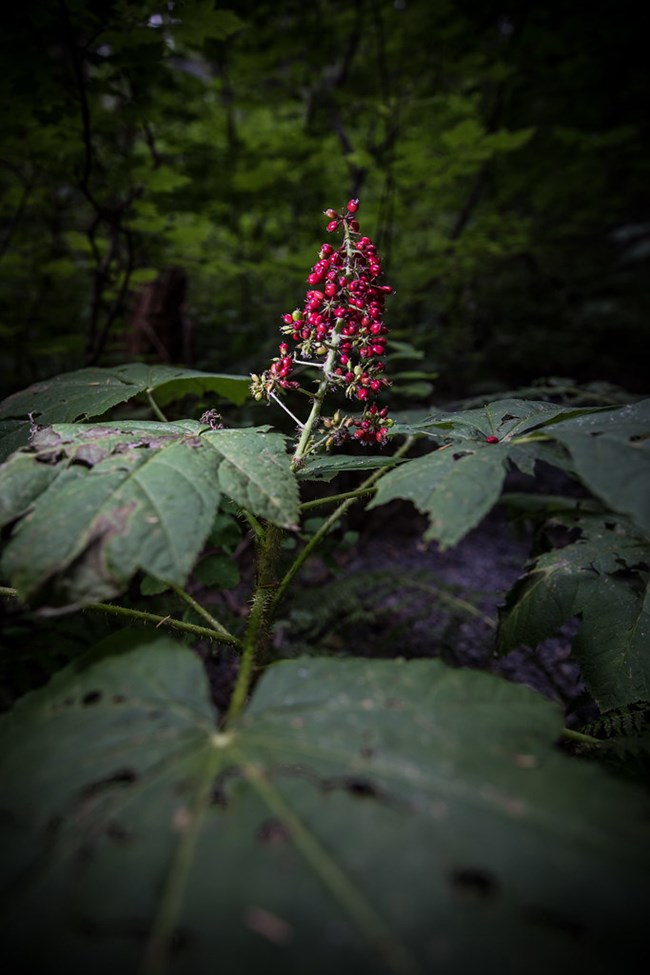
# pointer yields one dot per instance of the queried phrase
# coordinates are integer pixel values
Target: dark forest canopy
(164, 169)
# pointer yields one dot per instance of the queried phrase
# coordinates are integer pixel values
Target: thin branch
(154, 406)
(221, 635)
(202, 611)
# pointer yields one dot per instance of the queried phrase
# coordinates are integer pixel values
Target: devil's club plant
(346, 814)
(339, 331)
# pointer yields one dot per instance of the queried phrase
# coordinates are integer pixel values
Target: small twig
(202, 611)
(286, 409)
(154, 406)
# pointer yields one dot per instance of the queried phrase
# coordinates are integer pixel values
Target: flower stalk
(340, 332)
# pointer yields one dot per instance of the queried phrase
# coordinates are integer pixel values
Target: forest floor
(389, 594)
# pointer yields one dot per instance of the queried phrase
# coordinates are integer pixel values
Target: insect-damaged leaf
(88, 393)
(455, 487)
(504, 419)
(611, 452)
(363, 816)
(603, 578)
(96, 504)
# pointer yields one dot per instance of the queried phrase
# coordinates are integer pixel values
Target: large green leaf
(364, 816)
(88, 393)
(455, 488)
(98, 503)
(504, 419)
(611, 453)
(603, 578)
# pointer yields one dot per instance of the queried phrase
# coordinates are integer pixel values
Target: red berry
(353, 205)
(491, 439)
(332, 225)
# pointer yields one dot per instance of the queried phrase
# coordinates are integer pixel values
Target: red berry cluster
(339, 329)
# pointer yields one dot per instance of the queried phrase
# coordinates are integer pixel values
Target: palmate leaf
(88, 393)
(603, 578)
(456, 488)
(457, 485)
(504, 419)
(364, 816)
(611, 453)
(95, 504)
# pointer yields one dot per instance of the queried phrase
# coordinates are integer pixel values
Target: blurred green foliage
(500, 155)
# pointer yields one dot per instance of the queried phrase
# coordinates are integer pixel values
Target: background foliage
(163, 168)
(500, 154)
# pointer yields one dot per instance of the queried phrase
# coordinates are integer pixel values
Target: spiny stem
(137, 614)
(257, 638)
(202, 611)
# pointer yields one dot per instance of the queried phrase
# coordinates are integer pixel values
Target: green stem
(323, 385)
(327, 367)
(256, 526)
(331, 521)
(257, 638)
(333, 498)
(583, 739)
(154, 406)
(137, 614)
(202, 611)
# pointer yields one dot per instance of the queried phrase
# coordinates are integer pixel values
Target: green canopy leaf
(366, 816)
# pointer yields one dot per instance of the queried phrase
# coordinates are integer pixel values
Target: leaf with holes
(361, 816)
(504, 419)
(95, 504)
(88, 393)
(455, 487)
(611, 453)
(603, 578)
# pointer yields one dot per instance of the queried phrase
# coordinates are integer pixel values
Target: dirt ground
(390, 594)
